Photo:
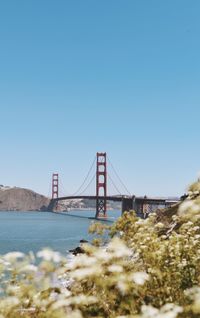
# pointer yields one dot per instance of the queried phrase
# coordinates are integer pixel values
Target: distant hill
(19, 199)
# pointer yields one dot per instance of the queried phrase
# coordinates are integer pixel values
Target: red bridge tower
(55, 186)
(101, 184)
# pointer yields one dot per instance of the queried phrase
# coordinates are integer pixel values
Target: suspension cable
(87, 176)
(50, 189)
(114, 184)
(88, 184)
(62, 188)
(118, 177)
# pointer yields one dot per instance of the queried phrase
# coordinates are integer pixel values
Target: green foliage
(148, 269)
(101, 233)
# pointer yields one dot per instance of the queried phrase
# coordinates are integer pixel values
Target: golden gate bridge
(141, 205)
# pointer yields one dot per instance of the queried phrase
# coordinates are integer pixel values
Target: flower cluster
(149, 268)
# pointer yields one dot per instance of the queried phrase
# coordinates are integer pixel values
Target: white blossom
(118, 248)
(29, 268)
(82, 273)
(140, 278)
(49, 255)
(11, 301)
(167, 311)
(122, 286)
(188, 206)
(103, 255)
(81, 260)
(12, 256)
(115, 268)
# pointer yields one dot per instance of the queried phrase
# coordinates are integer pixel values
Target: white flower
(75, 314)
(13, 289)
(65, 292)
(11, 301)
(84, 300)
(12, 256)
(77, 300)
(149, 311)
(49, 255)
(59, 304)
(140, 277)
(188, 206)
(81, 260)
(195, 208)
(4, 262)
(103, 255)
(115, 268)
(167, 311)
(159, 225)
(29, 268)
(139, 222)
(118, 248)
(122, 286)
(82, 273)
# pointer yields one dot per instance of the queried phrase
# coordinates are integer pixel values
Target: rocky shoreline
(79, 249)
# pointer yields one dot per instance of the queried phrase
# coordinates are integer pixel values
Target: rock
(83, 241)
(77, 250)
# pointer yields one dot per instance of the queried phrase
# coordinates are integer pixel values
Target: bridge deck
(119, 198)
(139, 204)
(92, 197)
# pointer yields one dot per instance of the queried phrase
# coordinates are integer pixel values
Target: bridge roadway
(94, 197)
(118, 198)
(128, 202)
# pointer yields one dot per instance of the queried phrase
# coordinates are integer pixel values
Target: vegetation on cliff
(150, 268)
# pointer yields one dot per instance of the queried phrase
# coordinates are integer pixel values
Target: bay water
(32, 231)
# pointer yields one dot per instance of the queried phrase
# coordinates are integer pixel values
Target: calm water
(25, 231)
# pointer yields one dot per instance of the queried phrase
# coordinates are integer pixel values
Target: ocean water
(32, 231)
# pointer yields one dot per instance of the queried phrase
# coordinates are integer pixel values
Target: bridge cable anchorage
(92, 179)
(116, 188)
(85, 179)
(119, 177)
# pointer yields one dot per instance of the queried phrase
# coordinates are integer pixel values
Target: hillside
(19, 199)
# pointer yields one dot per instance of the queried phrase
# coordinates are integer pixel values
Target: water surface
(32, 231)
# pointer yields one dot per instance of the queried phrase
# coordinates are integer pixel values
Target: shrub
(148, 269)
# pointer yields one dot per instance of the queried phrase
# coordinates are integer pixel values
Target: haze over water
(32, 231)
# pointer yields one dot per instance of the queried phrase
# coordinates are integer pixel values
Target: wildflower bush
(149, 268)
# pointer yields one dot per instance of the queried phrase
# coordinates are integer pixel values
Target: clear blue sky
(77, 77)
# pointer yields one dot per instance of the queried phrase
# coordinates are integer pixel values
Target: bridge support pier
(53, 206)
(127, 204)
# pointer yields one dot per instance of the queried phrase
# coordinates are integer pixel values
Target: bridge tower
(55, 186)
(101, 185)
